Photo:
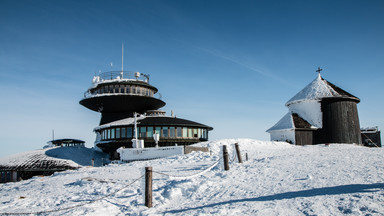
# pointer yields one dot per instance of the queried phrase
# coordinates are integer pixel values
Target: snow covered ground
(278, 179)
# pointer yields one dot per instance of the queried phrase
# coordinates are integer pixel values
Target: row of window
(147, 132)
(127, 89)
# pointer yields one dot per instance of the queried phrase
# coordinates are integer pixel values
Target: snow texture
(122, 122)
(309, 111)
(54, 158)
(36, 160)
(278, 179)
(316, 90)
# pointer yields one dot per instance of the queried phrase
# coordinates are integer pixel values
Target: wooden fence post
(238, 153)
(246, 156)
(225, 157)
(148, 187)
(93, 162)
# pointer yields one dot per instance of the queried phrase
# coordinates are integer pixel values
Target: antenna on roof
(122, 60)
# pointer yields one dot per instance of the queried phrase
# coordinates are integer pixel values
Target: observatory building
(118, 96)
(320, 113)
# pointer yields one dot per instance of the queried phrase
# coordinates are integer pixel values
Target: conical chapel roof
(318, 89)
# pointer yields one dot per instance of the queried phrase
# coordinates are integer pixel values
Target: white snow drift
(278, 179)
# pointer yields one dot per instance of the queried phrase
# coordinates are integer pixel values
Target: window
(190, 132)
(195, 133)
(108, 134)
(105, 89)
(179, 132)
(172, 132)
(143, 132)
(150, 132)
(165, 132)
(199, 132)
(117, 133)
(128, 89)
(123, 132)
(158, 130)
(185, 132)
(113, 133)
(134, 90)
(129, 132)
(117, 89)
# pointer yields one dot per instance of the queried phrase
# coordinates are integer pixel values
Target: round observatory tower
(118, 95)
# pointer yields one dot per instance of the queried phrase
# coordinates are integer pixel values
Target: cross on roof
(319, 70)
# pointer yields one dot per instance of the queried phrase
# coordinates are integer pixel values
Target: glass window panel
(199, 132)
(117, 133)
(195, 132)
(179, 132)
(143, 132)
(158, 130)
(190, 132)
(123, 132)
(165, 132)
(185, 132)
(108, 134)
(128, 89)
(113, 133)
(129, 132)
(150, 132)
(172, 132)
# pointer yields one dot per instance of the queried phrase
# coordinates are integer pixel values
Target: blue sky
(229, 64)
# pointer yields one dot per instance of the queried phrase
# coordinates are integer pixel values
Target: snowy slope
(278, 179)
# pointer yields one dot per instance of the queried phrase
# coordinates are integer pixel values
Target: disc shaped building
(118, 95)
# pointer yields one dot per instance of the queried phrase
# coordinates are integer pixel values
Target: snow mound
(278, 179)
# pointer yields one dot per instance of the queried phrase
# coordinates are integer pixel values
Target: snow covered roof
(285, 123)
(318, 89)
(291, 121)
(154, 120)
(36, 161)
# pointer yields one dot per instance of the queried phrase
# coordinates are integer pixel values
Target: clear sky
(231, 65)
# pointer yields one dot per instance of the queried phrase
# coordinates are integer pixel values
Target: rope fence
(148, 182)
(74, 206)
(190, 176)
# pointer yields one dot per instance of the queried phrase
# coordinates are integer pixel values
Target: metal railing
(111, 75)
(88, 94)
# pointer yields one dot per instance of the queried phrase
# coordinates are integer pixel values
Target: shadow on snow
(336, 190)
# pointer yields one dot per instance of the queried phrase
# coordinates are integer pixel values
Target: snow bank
(278, 179)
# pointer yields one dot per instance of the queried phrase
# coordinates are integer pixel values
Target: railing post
(148, 187)
(238, 153)
(225, 157)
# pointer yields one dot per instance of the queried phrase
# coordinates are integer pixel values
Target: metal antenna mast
(122, 60)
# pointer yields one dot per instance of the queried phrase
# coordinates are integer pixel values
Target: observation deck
(122, 92)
